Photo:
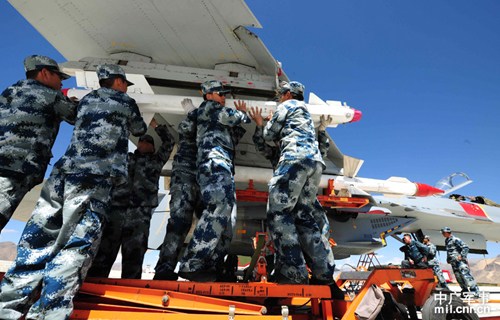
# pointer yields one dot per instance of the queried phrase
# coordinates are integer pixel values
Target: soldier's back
(28, 126)
(298, 137)
(99, 143)
(213, 136)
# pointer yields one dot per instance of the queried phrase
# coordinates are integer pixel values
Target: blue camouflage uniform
(61, 237)
(184, 198)
(273, 154)
(296, 221)
(456, 247)
(215, 154)
(30, 115)
(417, 252)
(131, 208)
(433, 262)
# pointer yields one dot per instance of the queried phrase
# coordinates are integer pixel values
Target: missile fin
(398, 179)
(334, 103)
(352, 166)
(315, 100)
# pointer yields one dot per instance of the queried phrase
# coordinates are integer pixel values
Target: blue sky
(425, 74)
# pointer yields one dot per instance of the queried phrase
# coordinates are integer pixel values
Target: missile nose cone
(425, 190)
(357, 116)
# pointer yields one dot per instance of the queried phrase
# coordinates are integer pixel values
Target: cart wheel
(446, 307)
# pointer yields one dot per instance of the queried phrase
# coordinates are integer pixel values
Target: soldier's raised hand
(240, 105)
(187, 105)
(324, 122)
(256, 115)
(269, 116)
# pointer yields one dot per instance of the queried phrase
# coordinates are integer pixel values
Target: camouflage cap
(213, 86)
(37, 62)
(446, 229)
(293, 87)
(109, 71)
(147, 138)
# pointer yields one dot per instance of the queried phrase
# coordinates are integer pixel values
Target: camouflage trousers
(438, 273)
(128, 228)
(298, 224)
(12, 191)
(407, 264)
(463, 275)
(56, 247)
(184, 203)
(213, 232)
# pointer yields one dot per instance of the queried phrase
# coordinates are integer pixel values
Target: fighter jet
(168, 48)
(472, 219)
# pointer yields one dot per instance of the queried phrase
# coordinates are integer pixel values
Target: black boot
(166, 275)
(335, 291)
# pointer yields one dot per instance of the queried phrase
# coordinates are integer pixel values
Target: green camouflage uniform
(184, 199)
(131, 209)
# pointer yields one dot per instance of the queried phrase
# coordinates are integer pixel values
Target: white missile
(391, 186)
(396, 186)
(171, 104)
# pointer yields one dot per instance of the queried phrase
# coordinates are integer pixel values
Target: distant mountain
(8, 251)
(483, 270)
(486, 270)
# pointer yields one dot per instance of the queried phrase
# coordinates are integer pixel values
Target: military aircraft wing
(198, 34)
(168, 48)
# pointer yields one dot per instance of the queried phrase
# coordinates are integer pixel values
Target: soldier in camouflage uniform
(132, 206)
(457, 251)
(31, 111)
(433, 262)
(61, 237)
(292, 211)
(415, 253)
(184, 199)
(215, 144)
(272, 153)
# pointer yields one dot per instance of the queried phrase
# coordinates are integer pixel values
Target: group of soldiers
(99, 197)
(423, 255)
(62, 236)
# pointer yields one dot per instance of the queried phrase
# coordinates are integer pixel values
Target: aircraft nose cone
(357, 116)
